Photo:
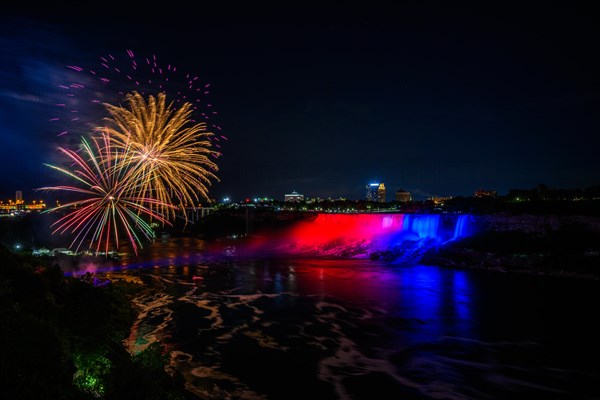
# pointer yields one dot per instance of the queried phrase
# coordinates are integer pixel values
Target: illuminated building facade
(21, 207)
(381, 193)
(403, 196)
(294, 196)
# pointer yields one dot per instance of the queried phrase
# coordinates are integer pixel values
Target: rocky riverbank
(571, 249)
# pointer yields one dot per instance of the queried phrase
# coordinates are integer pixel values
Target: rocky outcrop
(543, 245)
(532, 223)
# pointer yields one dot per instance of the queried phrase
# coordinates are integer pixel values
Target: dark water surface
(358, 329)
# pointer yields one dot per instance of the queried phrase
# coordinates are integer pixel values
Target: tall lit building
(403, 196)
(19, 195)
(381, 193)
(372, 191)
(376, 192)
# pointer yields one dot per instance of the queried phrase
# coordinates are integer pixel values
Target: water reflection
(331, 328)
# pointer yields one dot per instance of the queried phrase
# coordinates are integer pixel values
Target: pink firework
(80, 101)
(109, 206)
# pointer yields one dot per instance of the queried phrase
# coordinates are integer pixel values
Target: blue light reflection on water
(440, 316)
(438, 300)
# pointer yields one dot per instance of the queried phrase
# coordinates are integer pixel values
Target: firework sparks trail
(171, 152)
(113, 76)
(111, 206)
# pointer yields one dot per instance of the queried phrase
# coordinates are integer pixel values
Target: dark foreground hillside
(60, 338)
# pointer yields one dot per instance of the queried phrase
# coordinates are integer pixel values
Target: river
(299, 328)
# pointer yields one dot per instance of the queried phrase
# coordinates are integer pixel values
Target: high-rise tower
(372, 191)
(376, 192)
(381, 193)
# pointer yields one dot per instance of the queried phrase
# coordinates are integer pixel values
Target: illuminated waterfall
(397, 236)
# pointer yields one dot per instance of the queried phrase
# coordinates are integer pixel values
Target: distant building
(19, 206)
(485, 193)
(19, 196)
(381, 193)
(294, 196)
(371, 194)
(375, 192)
(403, 196)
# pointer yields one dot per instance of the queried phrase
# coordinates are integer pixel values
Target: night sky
(437, 100)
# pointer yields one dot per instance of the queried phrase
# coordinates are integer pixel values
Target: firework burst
(170, 152)
(111, 206)
(112, 76)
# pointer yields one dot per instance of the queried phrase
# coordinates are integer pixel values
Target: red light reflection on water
(348, 280)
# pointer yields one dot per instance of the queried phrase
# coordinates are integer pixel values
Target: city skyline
(437, 100)
(377, 194)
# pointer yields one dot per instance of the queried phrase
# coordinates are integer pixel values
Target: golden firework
(172, 151)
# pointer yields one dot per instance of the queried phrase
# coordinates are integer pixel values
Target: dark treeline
(535, 206)
(60, 338)
(543, 192)
(538, 201)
